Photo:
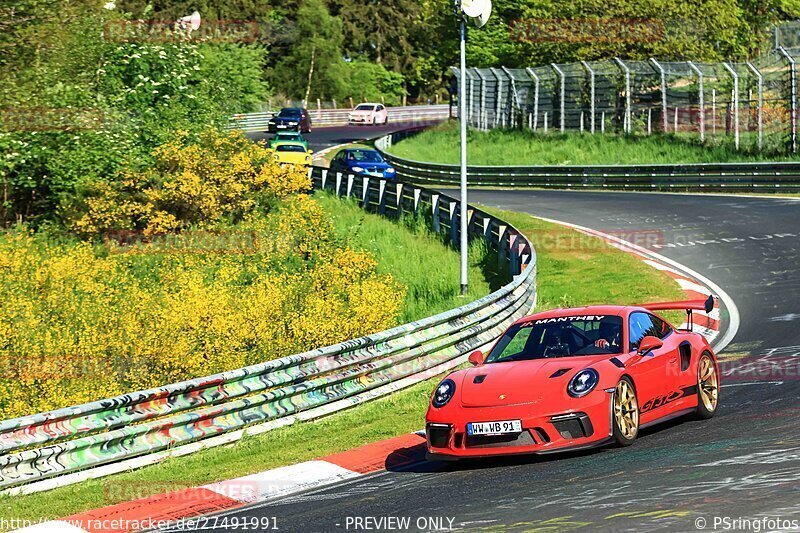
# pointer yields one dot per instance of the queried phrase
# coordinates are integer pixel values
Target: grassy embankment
(585, 271)
(515, 147)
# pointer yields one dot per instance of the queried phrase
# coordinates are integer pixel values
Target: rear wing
(706, 305)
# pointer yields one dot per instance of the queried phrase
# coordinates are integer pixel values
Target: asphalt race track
(682, 476)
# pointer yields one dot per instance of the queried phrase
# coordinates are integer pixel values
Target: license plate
(494, 428)
(282, 126)
(375, 174)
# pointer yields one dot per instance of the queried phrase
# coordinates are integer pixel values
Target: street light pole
(462, 117)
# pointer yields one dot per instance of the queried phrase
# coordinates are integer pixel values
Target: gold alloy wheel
(626, 410)
(707, 382)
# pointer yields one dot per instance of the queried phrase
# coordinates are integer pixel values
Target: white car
(368, 114)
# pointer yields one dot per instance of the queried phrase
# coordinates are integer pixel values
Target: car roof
(348, 150)
(367, 103)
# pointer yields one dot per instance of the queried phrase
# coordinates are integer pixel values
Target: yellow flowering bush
(82, 321)
(194, 181)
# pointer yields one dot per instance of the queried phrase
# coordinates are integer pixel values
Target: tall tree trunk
(311, 68)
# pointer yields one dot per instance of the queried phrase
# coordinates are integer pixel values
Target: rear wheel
(707, 387)
(626, 413)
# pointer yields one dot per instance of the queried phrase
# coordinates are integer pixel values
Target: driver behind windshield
(559, 337)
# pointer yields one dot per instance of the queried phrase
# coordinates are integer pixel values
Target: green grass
(572, 270)
(414, 256)
(515, 147)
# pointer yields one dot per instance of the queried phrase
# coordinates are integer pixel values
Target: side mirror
(648, 344)
(310, 152)
(477, 358)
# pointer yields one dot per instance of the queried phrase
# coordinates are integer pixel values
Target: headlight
(390, 170)
(583, 383)
(358, 169)
(443, 393)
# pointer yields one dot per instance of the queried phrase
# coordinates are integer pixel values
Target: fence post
(627, 126)
(760, 112)
(591, 92)
(516, 104)
(454, 223)
(735, 77)
(663, 73)
(563, 96)
(324, 177)
(365, 192)
(498, 97)
(338, 182)
(793, 81)
(399, 204)
(535, 78)
(482, 113)
(350, 179)
(417, 193)
(701, 96)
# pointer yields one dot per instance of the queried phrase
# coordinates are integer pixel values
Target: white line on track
(730, 305)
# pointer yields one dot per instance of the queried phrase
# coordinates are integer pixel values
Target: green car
(287, 137)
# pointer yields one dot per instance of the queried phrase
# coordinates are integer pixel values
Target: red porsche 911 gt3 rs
(574, 378)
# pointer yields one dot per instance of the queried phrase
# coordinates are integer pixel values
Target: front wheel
(626, 413)
(707, 387)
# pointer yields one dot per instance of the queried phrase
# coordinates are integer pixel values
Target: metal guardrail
(42, 446)
(709, 177)
(249, 122)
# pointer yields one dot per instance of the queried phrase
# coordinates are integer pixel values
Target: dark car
(362, 161)
(291, 119)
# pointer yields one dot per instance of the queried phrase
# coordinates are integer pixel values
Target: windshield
(369, 156)
(289, 113)
(290, 148)
(364, 107)
(559, 337)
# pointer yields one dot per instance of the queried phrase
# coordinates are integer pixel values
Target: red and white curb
(695, 285)
(164, 510)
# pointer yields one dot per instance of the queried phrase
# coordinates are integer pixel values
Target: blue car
(363, 162)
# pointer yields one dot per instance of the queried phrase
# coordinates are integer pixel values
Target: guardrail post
(487, 230)
(660, 70)
(338, 182)
(627, 123)
(324, 177)
(382, 197)
(701, 97)
(502, 245)
(563, 96)
(365, 192)
(471, 96)
(760, 111)
(591, 93)
(435, 213)
(454, 223)
(512, 254)
(417, 193)
(399, 193)
(535, 79)
(350, 179)
(793, 84)
(735, 77)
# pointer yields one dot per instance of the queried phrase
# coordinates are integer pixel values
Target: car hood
(520, 382)
(361, 113)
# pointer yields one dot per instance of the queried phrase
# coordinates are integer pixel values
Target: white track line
(730, 305)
